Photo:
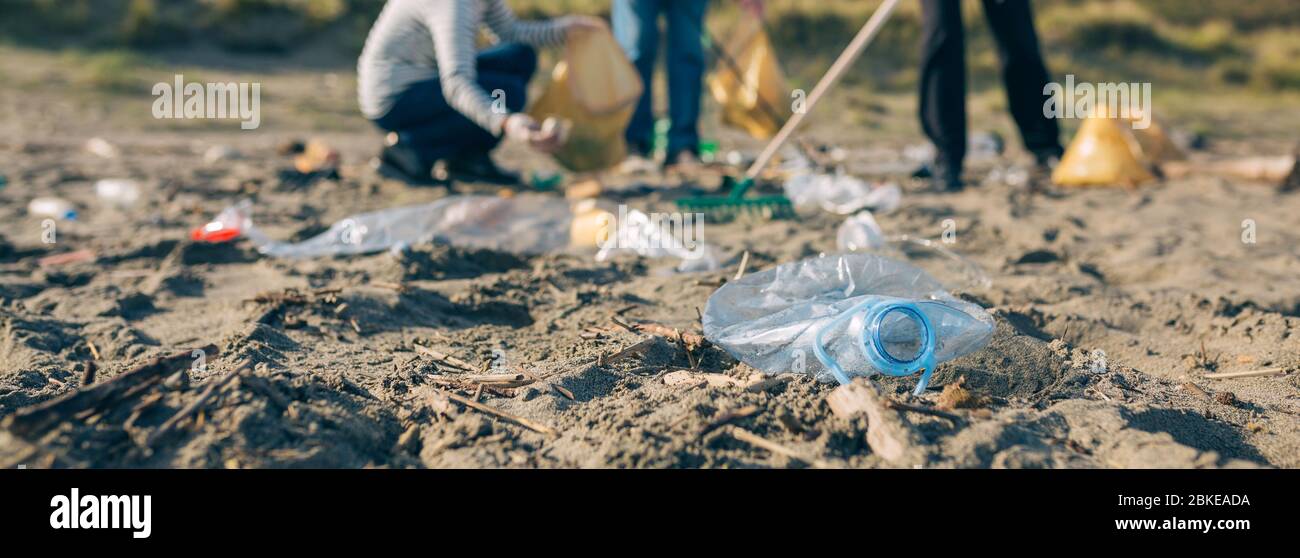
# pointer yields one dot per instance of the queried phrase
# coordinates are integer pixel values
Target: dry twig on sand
(763, 443)
(194, 406)
(521, 421)
(444, 358)
(1247, 374)
(32, 422)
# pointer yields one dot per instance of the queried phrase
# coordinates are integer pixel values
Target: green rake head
(735, 204)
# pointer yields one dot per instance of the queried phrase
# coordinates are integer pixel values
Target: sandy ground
(1157, 279)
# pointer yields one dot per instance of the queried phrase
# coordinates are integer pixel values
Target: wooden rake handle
(859, 43)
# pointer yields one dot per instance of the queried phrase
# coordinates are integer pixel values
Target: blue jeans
(636, 26)
(424, 121)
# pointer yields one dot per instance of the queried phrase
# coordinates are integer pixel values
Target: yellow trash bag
(748, 82)
(1103, 153)
(1154, 142)
(595, 89)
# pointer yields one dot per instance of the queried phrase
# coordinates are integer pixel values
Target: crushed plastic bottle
(856, 314)
(859, 232)
(840, 194)
(121, 192)
(57, 208)
(525, 224)
(679, 237)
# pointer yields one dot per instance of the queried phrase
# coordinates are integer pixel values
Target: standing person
(943, 82)
(636, 26)
(421, 78)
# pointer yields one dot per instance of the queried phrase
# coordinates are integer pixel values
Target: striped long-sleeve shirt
(416, 40)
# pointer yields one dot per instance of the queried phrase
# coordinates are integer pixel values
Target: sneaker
(479, 167)
(399, 161)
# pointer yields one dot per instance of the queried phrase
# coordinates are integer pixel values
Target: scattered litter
(545, 182)
(316, 156)
(524, 224)
(219, 153)
(840, 194)
(102, 147)
(120, 192)
(857, 314)
(634, 231)
(859, 232)
(57, 208)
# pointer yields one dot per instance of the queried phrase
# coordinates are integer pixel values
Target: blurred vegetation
(1178, 43)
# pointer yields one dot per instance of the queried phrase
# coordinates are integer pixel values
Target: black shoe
(401, 162)
(945, 177)
(479, 168)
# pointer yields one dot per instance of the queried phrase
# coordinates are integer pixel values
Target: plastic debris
(526, 224)
(57, 208)
(656, 237)
(121, 192)
(840, 194)
(219, 153)
(316, 156)
(855, 314)
(860, 232)
(102, 147)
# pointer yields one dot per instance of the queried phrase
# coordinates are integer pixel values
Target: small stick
(386, 285)
(726, 417)
(689, 357)
(620, 323)
(690, 337)
(355, 326)
(763, 443)
(94, 351)
(1196, 390)
(521, 421)
(444, 358)
(478, 393)
(744, 262)
(187, 410)
(564, 392)
(768, 383)
(924, 411)
(1247, 374)
(639, 348)
(88, 377)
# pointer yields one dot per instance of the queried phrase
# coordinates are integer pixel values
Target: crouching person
(422, 78)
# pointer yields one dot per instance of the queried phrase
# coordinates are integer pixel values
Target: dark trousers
(636, 26)
(943, 76)
(423, 119)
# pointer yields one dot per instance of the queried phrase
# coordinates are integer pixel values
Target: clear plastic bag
(521, 225)
(595, 89)
(844, 315)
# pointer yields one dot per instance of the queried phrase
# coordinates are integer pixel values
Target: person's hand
(521, 127)
(578, 25)
(754, 7)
